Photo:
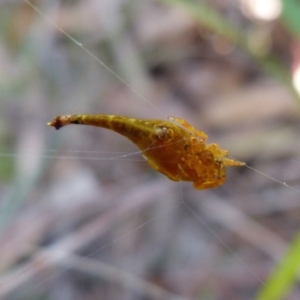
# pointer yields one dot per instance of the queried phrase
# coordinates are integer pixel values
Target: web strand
(273, 179)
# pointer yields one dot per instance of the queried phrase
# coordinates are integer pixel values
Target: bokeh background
(82, 216)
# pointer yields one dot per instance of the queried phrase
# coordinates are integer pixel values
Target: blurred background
(82, 214)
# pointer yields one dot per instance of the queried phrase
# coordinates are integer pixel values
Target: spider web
(117, 229)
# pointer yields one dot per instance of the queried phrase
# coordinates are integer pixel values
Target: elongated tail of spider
(138, 131)
(106, 121)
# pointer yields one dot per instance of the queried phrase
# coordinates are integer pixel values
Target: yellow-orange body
(172, 147)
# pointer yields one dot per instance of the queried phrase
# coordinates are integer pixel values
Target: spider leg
(197, 144)
(200, 185)
(219, 178)
(188, 126)
(222, 156)
(182, 171)
(215, 148)
(232, 162)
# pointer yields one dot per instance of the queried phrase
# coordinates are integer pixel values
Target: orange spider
(172, 147)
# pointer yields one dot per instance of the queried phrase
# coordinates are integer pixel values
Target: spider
(172, 147)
